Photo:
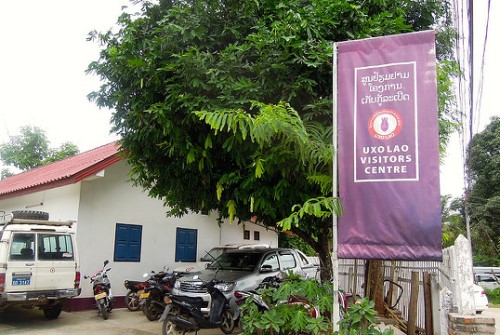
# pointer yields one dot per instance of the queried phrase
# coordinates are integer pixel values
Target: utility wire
(481, 71)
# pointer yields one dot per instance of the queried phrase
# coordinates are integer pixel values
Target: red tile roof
(67, 171)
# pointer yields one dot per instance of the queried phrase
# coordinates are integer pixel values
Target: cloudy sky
(43, 83)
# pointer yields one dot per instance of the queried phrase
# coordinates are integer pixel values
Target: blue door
(186, 245)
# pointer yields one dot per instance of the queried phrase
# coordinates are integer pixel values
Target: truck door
(55, 261)
(21, 271)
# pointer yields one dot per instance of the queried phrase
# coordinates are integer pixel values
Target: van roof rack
(8, 219)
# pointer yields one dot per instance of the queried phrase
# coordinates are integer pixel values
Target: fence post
(429, 325)
(413, 307)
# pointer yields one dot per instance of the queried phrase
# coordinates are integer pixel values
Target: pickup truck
(244, 269)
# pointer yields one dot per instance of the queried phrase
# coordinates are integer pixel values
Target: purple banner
(389, 148)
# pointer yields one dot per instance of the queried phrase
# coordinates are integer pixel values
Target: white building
(117, 221)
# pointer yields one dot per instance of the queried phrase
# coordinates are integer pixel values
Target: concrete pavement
(19, 321)
(121, 321)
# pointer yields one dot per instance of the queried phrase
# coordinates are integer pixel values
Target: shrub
(294, 319)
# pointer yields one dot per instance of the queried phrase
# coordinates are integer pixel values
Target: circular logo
(385, 124)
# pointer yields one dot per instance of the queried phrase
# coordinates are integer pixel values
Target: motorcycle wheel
(132, 301)
(227, 324)
(103, 309)
(151, 311)
(168, 328)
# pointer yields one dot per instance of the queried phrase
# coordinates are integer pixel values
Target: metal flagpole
(335, 261)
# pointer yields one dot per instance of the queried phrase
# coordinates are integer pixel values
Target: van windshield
(241, 261)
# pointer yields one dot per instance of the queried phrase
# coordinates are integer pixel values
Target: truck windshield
(241, 261)
(212, 254)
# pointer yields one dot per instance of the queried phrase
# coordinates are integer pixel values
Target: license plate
(18, 281)
(144, 295)
(100, 296)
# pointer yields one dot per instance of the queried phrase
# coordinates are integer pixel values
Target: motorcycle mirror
(106, 262)
(86, 277)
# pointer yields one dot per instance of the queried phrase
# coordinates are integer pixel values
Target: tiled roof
(64, 172)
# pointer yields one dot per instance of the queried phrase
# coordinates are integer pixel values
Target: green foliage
(290, 318)
(360, 320)
(452, 219)
(287, 317)
(493, 296)
(483, 198)
(227, 106)
(31, 149)
(291, 241)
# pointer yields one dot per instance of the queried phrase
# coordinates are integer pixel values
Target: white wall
(112, 199)
(61, 203)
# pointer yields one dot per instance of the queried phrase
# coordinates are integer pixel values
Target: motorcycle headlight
(225, 286)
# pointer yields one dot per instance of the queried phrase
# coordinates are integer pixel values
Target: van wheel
(52, 312)
(30, 215)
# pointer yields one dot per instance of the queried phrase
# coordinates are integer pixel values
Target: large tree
(31, 149)
(483, 196)
(227, 105)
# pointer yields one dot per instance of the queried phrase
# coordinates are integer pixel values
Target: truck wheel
(30, 215)
(52, 312)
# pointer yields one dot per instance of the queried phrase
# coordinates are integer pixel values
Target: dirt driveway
(121, 321)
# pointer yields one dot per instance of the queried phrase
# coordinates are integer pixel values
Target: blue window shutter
(128, 243)
(186, 245)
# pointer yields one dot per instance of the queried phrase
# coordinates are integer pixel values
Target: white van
(38, 262)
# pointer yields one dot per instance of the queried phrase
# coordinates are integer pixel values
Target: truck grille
(193, 286)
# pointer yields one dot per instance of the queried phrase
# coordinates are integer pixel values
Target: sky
(43, 83)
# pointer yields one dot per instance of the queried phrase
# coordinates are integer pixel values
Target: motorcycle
(183, 314)
(136, 289)
(102, 290)
(152, 299)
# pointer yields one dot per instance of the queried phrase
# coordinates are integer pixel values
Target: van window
(22, 247)
(55, 247)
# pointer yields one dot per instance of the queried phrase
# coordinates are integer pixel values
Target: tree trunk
(321, 246)
(374, 284)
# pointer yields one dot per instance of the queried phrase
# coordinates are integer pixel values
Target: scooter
(102, 290)
(152, 299)
(183, 314)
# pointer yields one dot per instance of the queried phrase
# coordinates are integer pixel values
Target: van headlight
(225, 286)
(177, 284)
